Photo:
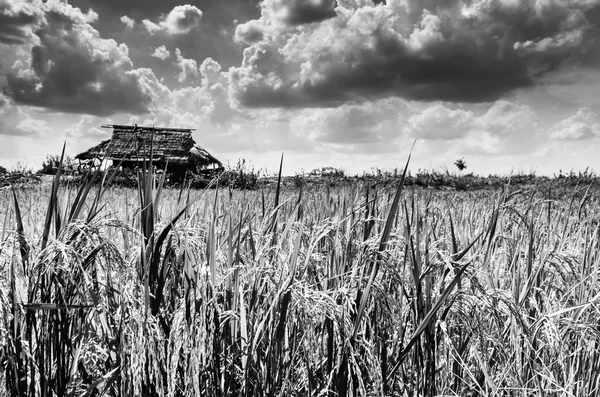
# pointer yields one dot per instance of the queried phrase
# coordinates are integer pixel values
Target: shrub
(51, 163)
(299, 180)
(242, 176)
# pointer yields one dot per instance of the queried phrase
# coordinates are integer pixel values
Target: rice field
(360, 290)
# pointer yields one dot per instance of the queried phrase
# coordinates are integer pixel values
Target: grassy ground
(360, 289)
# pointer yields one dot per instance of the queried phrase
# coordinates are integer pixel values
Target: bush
(3, 171)
(241, 176)
(51, 163)
(299, 180)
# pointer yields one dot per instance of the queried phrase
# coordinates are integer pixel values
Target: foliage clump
(51, 163)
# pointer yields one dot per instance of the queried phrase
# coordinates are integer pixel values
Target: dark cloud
(449, 50)
(72, 69)
(299, 12)
(152, 9)
(18, 20)
(212, 37)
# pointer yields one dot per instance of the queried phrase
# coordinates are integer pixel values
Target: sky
(508, 85)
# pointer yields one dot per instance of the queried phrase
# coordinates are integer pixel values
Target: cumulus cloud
(182, 19)
(188, 68)
(507, 118)
(582, 125)
(250, 32)
(128, 22)
(506, 128)
(161, 53)
(440, 123)
(475, 51)
(72, 69)
(372, 126)
(214, 84)
(204, 104)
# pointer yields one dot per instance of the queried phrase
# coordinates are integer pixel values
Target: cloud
(19, 20)
(582, 125)
(299, 12)
(214, 84)
(74, 70)
(17, 122)
(205, 105)
(8, 115)
(182, 19)
(373, 126)
(440, 123)
(4, 102)
(505, 118)
(506, 128)
(188, 68)
(249, 33)
(128, 22)
(161, 53)
(88, 127)
(33, 127)
(477, 51)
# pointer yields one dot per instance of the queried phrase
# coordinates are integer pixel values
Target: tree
(461, 164)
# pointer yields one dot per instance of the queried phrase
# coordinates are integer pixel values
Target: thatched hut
(173, 148)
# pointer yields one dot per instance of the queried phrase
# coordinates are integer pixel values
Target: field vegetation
(362, 288)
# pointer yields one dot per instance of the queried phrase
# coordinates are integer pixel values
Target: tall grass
(360, 290)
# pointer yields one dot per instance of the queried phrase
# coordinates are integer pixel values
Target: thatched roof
(133, 143)
(95, 152)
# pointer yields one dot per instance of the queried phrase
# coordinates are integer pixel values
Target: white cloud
(250, 32)
(161, 53)
(439, 122)
(506, 128)
(505, 118)
(181, 19)
(128, 22)
(88, 128)
(188, 68)
(582, 125)
(34, 127)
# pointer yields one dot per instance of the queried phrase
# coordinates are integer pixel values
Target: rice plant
(357, 290)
